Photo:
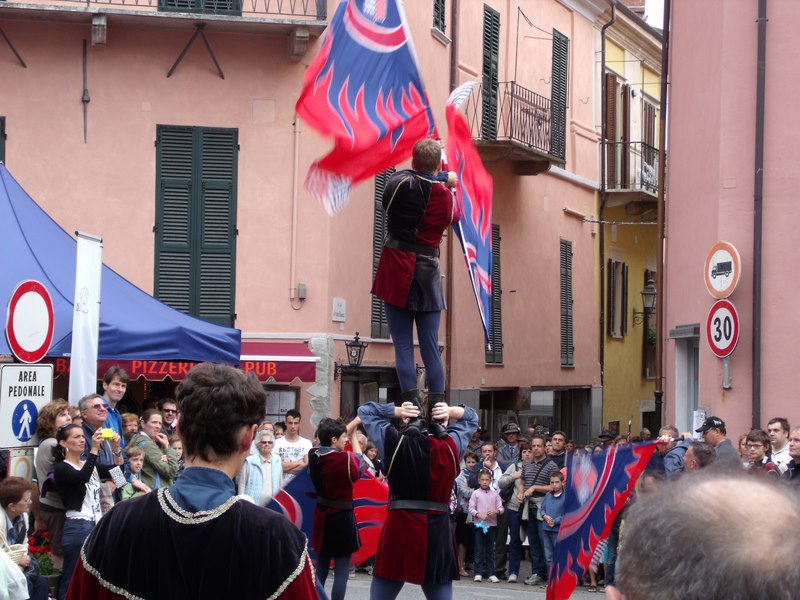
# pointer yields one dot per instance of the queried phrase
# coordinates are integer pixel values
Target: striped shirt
(538, 473)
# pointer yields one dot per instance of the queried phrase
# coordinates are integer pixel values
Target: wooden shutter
(494, 349)
(558, 95)
(195, 269)
(623, 319)
(611, 131)
(625, 138)
(491, 58)
(216, 284)
(649, 152)
(439, 15)
(611, 305)
(2, 140)
(567, 339)
(380, 326)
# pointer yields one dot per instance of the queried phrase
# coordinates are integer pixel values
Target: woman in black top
(78, 483)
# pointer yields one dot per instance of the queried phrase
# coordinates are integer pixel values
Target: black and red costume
(419, 208)
(333, 474)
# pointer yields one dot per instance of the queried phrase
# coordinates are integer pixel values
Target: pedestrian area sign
(24, 390)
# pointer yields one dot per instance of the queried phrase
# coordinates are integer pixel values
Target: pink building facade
(710, 197)
(201, 119)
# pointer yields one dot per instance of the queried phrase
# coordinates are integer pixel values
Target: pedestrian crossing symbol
(23, 420)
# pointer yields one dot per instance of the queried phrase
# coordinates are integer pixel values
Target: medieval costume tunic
(333, 473)
(419, 208)
(417, 544)
(194, 540)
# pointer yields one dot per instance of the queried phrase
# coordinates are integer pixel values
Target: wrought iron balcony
(304, 9)
(514, 123)
(631, 172)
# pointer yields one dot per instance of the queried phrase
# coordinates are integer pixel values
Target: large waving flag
(598, 486)
(474, 193)
(364, 90)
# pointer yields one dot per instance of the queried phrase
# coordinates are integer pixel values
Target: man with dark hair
(778, 430)
(714, 432)
(698, 456)
(661, 557)
(115, 383)
(198, 539)
(559, 453)
(536, 475)
(292, 448)
(169, 413)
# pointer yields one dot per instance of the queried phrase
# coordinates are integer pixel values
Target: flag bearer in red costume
(417, 544)
(419, 209)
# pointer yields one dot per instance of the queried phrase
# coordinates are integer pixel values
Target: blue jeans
(515, 546)
(388, 589)
(341, 573)
(538, 565)
(75, 533)
(549, 539)
(484, 546)
(401, 326)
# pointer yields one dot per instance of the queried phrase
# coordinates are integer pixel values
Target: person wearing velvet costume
(416, 544)
(419, 208)
(198, 539)
(333, 471)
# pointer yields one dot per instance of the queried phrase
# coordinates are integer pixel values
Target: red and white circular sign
(30, 321)
(722, 328)
(722, 269)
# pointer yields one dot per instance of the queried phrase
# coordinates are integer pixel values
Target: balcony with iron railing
(631, 173)
(516, 124)
(300, 19)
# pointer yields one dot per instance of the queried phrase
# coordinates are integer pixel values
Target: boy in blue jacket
(552, 510)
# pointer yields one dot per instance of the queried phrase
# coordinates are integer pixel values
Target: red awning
(270, 361)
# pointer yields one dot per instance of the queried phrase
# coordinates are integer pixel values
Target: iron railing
(307, 9)
(631, 166)
(515, 114)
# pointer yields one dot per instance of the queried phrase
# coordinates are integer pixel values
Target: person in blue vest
(115, 383)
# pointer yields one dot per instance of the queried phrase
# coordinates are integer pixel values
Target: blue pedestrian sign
(23, 421)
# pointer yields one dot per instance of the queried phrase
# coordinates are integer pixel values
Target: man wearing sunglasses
(169, 414)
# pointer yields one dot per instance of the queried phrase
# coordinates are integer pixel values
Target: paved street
(358, 589)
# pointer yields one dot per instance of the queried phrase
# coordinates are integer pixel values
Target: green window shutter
(558, 95)
(491, 59)
(494, 349)
(2, 140)
(567, 340)
(196, 172)
(380, 326)
(438, 15)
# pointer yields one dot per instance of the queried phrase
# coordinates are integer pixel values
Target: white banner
(86, 317)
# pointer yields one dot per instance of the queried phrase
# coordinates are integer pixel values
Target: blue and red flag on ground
(474, 193)
(598, 486)
(365, 91)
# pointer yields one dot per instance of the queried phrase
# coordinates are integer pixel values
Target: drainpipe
(662, 181)
(295, 192)
(758, 208)
(448, 333)
(602, 217)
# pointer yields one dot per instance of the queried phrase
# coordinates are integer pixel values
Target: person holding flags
(419, 208)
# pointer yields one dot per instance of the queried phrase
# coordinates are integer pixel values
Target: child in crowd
(484, 506)
(280, 429)
(135, 487)
(552, 511)
(176, 444)
(465, 536)
(759, 449)
(374, 464)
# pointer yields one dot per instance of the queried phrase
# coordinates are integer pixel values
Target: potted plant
(39, 547)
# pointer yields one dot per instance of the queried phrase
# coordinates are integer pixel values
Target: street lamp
(355, 354)
(649, 300)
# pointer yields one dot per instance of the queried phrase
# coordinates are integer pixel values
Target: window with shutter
(649, 152)
(491, 59)
(567, 337)
(2, 140)
(612, 91)
(617, 304)
(196, 173)
(494, 348)
(438, 15)
(380, 326)
(625, 136)
(558, 95)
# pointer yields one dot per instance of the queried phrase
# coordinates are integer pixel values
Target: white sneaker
(512, 578)
(478, 578)
(494, 579)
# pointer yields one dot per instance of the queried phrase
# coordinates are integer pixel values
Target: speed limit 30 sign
(722, 328)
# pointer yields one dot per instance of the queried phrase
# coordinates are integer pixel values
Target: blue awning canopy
(133, 324)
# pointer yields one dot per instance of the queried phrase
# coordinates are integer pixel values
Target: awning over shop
(270, 361)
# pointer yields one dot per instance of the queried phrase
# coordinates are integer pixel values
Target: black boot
(436, 428)
(416, 426)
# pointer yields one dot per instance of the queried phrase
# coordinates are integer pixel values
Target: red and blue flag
(365, 91)
(474, 194)
(598, 486)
